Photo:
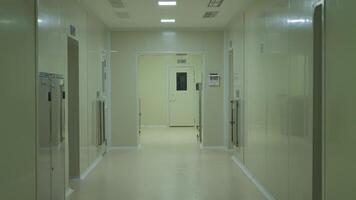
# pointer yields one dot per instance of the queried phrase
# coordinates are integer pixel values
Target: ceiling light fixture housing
(167, 3)
(117, 4)
(168, 20)
(215, 3)
(210, 14)
(123, 15)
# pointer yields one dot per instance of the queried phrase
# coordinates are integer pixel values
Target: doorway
(73, 108)
(168, 96)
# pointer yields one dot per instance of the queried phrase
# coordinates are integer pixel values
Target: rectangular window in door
(182, 81)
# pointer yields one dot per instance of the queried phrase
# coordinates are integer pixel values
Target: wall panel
(340, 137)
(277, 81)
(18, 99)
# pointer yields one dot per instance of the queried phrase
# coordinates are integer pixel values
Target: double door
(51, 149)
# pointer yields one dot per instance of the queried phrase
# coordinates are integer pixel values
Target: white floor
(169, 166)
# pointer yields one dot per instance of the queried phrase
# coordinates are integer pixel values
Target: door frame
(231, 61)
(168, 69)
(142, 53)
(319, 102)
(70, 163)
(239, 97)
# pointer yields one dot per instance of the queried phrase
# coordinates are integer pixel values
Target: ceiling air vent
(210, 14)
(215, 3)
(117, 3)
(182, 61)
(181, 54)
(123, 15)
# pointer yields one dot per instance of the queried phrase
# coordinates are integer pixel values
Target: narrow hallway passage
(90, 87)
(170, 165)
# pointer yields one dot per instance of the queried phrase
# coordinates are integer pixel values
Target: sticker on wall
(214, 80)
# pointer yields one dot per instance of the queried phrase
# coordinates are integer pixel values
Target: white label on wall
(214, 80)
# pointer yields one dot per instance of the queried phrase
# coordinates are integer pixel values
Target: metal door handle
(104, 122)
(99, 128)
(237, 123)
(62, 114)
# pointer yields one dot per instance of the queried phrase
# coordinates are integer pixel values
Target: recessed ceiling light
(167, 3)
(168, 20)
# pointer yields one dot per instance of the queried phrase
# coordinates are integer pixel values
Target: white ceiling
(146, 14)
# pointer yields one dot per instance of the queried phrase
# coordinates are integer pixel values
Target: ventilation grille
(117, 3)
(181, 54)
(182, 61)
(123, 15)
(215, 3)
(211, 14)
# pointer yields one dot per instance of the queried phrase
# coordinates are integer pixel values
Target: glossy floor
(170, 165)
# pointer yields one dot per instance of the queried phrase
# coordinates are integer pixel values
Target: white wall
(273, 55)
(19, 71)
(18, 99)
(124, 82)
(153, 84)
(340, 108)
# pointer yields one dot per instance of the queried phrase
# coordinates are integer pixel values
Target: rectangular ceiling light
(168, 20)
(215, 3)
(167, 3)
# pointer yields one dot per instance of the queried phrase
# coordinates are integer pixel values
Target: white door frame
(202, 54)
(168, 68)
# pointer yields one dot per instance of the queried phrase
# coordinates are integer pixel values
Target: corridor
(169, 165)
(177, 100)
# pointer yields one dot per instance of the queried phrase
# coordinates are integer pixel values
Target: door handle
(62, 114)
(237, 103)
(172, 99)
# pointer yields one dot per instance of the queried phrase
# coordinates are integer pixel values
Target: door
(51, 155)
(57, 138)
(44, 166)
(181, 96)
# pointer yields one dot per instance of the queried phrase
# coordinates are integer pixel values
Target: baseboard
(69, 191)
(124, 147)
(214, 147)
(253, 179)
(155, 126)
(230, 150)
(91, 168)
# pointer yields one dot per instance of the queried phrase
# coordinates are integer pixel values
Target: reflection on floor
(169, 166)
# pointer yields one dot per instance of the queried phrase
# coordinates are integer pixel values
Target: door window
(182, 81)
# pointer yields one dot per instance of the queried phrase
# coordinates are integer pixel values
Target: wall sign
(214, 80)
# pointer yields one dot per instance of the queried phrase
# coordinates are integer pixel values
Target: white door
(181, 96)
